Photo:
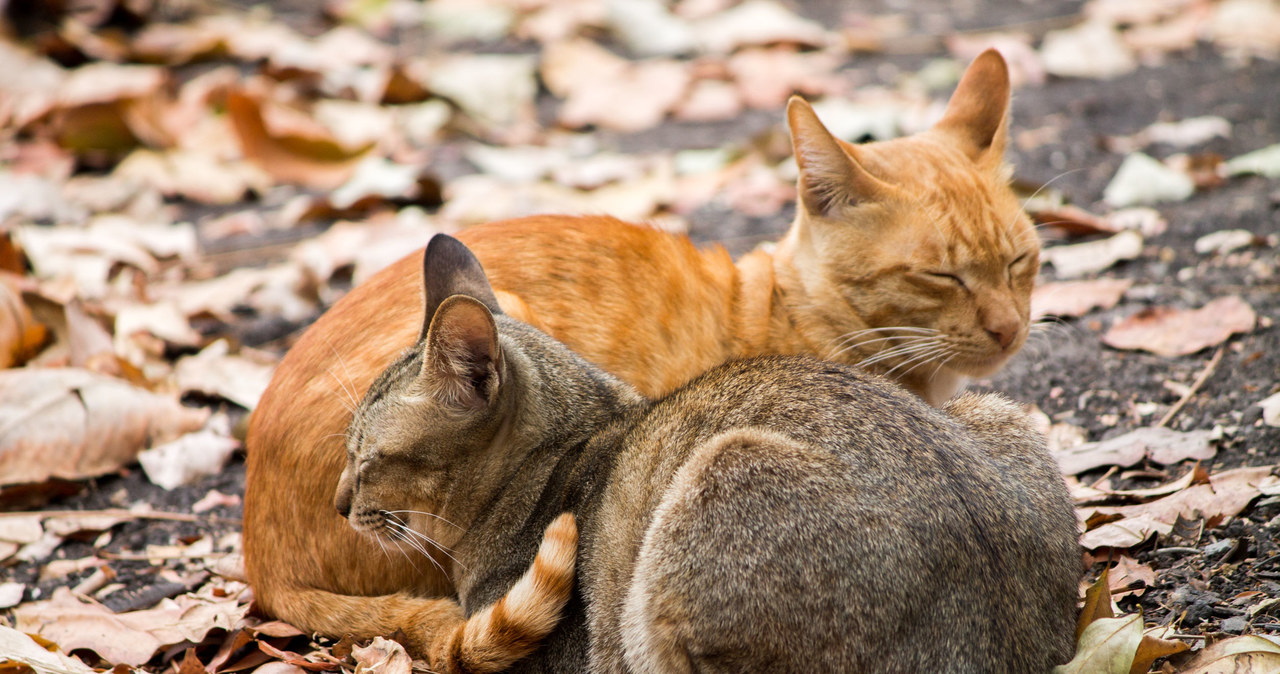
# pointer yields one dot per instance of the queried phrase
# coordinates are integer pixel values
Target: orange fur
(890, 239)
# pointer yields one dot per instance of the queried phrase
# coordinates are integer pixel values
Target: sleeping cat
(910, 257)
(779, 514)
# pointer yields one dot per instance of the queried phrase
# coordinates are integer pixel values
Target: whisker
(406, 529)
(419, 512)
(919, 359)
(904, 350)
(906, 342)
(1036, 193)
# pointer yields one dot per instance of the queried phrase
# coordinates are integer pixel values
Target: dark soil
(1070, 374)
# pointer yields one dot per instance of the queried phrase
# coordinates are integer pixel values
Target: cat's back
(846, 515)
(646, 305)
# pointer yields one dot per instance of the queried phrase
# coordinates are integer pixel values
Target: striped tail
(512, 627)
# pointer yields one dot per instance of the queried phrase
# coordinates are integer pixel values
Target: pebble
(1236, 625)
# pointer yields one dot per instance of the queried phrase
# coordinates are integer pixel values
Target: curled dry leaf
(1076, 298)
(307, 160)
(1094, 256)
(1162, 445)
(1165, 331)
(72, 424)
(382, 656)
(1224, 241)
(20, 334)
(215, 371)
(189, 458)
(1248, 654)
(498, 90)
(1226, 494)
(21, 649)
(128, 638)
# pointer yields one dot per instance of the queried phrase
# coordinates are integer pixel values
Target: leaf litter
(164, 226)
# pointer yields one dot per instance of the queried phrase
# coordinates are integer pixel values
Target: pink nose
(1003, 336)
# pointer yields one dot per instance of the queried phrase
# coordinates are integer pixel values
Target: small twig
(123, 514)
(1195, 386)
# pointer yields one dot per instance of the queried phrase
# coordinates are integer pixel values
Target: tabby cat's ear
(449, 268)
(977, 114)
(830, 175)
(460, 366)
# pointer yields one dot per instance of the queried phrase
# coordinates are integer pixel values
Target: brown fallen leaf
(215, 371)
(1247, 654)
(1128, 572)
(132, 638)
(1225, 495)
(21, 336)
(307, 160)
(72, 423)
(1076, 298)
(766, 78)
(1097, 603)
(1165, 331)
(1153, 648)
(1073, 220)
(1158, 444)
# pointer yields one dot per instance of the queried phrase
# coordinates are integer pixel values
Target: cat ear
(450, 268)
(978, 111)
(830, 174)
(460, 366)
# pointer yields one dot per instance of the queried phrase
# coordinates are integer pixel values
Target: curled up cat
(777, 514)
(909, 257)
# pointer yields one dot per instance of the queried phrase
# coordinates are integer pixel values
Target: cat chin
(983, 367)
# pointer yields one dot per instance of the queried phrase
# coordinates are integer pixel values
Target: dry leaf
(1165, 331)
(1073, 220)
(1184, 133)
(757, 22)
(1153, 648)
(382, 656)
(1225, 495)
(1085, 258)
(1264, 162)
(495, 89)
(648, 28)
(1161, 445)
(193, 174)
(1224, 241)
(20, 334)
(1144, 180)
(1091, 49)
(1076, 298)
(766, 78)
(1129, 571)
(1248, 654)
(190, 457)
(1247, 27)
(22, 649)
(1107, 646)
(72, 424)
(314, 162)
(129, 638)
(214, 371)
(1270, 409)
(592, 81)
(1097, 603)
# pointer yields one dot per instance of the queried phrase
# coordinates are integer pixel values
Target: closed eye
(948, 277)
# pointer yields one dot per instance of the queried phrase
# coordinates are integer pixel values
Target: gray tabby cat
(775, 514)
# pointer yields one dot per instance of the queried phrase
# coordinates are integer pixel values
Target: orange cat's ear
(450, 268)
(830, 174)
(978, 111)
(460, 366)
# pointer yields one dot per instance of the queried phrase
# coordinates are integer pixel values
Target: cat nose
(1003, 335)
(342, 502)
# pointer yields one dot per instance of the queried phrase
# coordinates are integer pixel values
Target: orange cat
(911, 257)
